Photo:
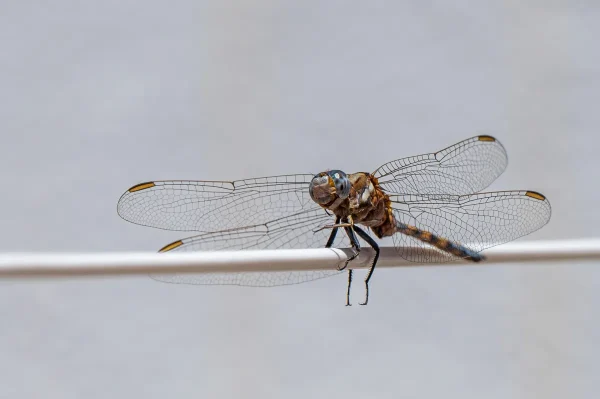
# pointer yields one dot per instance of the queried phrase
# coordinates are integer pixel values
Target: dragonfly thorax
(355, 197)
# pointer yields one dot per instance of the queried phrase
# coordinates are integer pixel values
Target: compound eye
(341, 182)
(316, 189)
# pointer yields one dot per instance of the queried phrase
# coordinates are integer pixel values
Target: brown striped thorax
(355, 197)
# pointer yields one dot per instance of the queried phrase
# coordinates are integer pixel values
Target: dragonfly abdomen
(440, 243)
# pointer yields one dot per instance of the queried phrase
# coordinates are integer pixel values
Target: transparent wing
(476, 221)
(466, 167)
(215, 205)
(294, 231)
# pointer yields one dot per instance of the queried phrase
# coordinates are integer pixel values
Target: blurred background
(98, 96)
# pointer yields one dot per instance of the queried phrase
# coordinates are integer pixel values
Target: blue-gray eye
(341, 182)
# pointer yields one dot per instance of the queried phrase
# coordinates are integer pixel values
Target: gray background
(98, 96)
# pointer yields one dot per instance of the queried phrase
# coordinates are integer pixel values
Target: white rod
(41, 265)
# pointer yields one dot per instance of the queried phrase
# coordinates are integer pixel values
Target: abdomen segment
(440, 243)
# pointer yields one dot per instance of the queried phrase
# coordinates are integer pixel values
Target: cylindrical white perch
(40, 265)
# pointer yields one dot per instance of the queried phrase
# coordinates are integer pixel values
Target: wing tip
(141, 186)
(536, 195)
(171, 246)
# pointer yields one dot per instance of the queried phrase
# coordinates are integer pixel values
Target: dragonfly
(432, 205)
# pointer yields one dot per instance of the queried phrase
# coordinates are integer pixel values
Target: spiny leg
(373, 244)
(356, 245)
(334, 226)
(349, 284)
(332, 239)
(333, 234)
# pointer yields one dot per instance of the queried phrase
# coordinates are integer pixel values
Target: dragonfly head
(326, 187)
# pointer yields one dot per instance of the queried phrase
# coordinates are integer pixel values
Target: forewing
(476, 221)
(464, 168)
(294, 231)
(215, 205)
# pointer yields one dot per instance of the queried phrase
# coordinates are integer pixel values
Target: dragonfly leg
(334, 226)
(328, 245)
(332, 235)
(356, 246)
(332, 239)
(373, 244)
(349, 284)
